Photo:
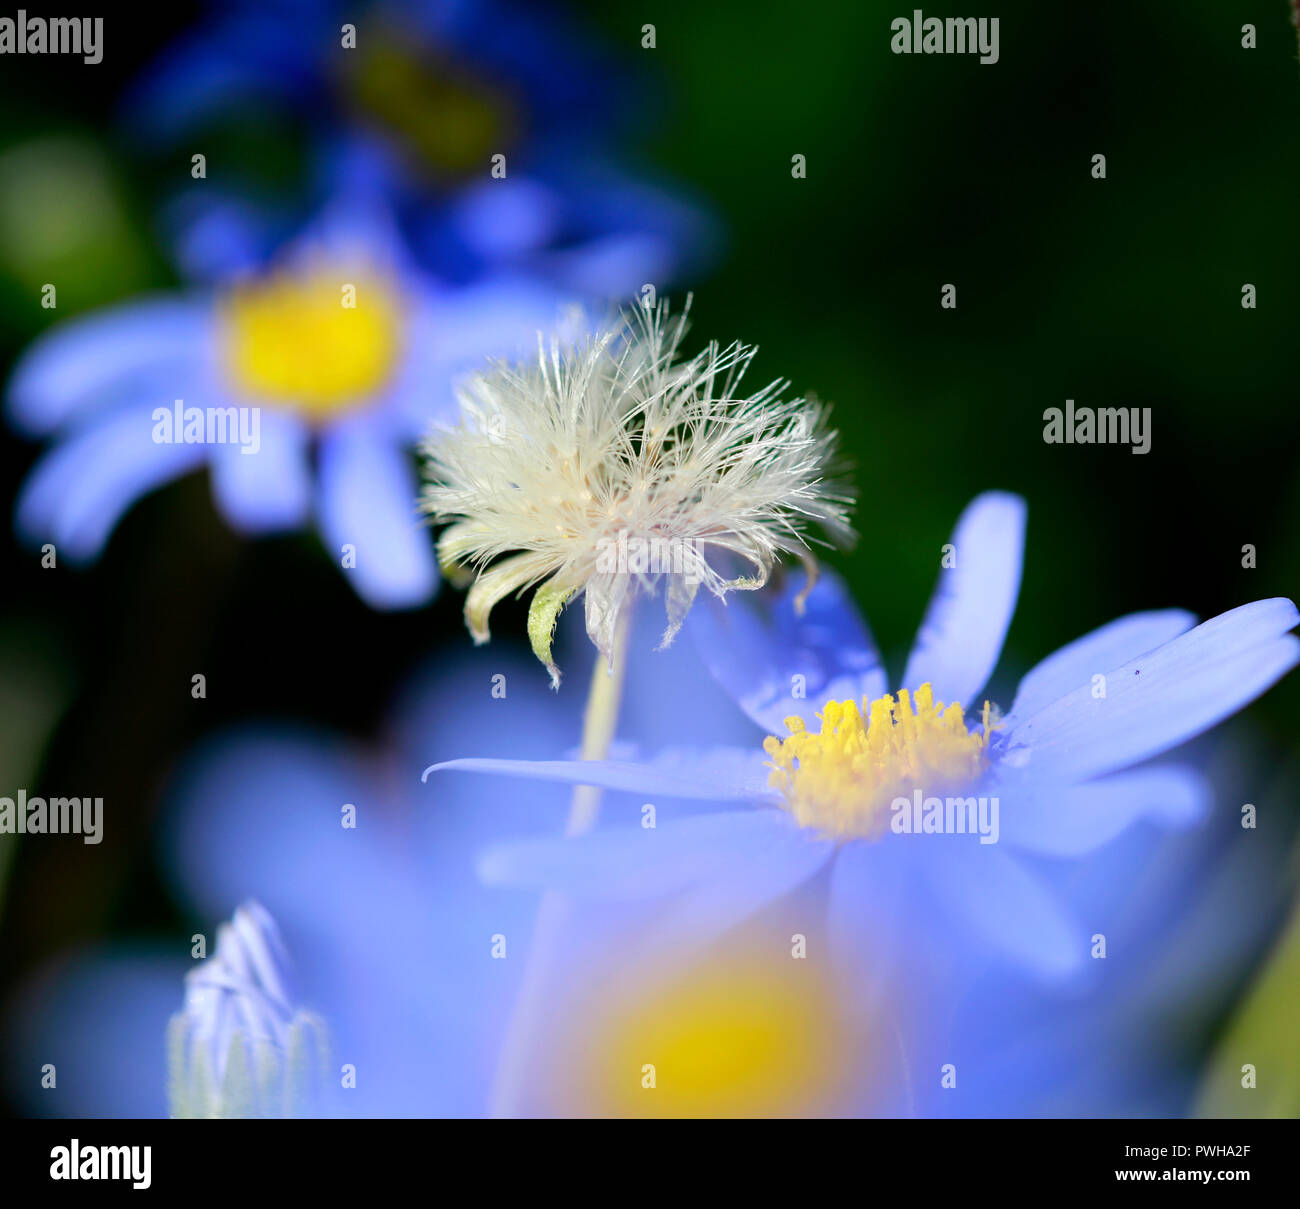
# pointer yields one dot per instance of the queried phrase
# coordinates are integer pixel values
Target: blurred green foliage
(1255, 1069)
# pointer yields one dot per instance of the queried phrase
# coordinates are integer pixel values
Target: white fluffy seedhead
(607, 465)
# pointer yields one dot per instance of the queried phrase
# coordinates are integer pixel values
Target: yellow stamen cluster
(843, 780)
(318, 342)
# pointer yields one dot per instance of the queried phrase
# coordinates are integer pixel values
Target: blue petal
(613, 265)
(505, 218)
(219, 804)
(451, 334)
(633, 862)
(780, 860)
(961, 637)
(1101, 651)
(78, 491)
(240, 58)
(1056, 820)
(148, 349)
(723, 775)
(101, 1019)
(865, 914)
(217, 236)
(270, 488)
(1163, 698)
(367, 501)
(1004, 907)
(759, 648)
(497, 318)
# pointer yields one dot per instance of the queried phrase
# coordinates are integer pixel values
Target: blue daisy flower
(937, 838)
(301, 388)
(392, 939)
(412, 108)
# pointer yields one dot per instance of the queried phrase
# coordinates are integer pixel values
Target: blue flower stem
(598, 726)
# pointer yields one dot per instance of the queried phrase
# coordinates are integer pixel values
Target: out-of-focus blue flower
(873, 799)
(413, 110)
(240, 1046)
(300, 388)
(392, 935)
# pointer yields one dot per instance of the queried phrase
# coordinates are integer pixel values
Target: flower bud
(240, 1047)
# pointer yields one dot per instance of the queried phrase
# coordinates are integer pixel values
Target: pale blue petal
(1099, 652)
(499, 318)
(453, 334)
(865, 919)
(702, 714)
(722, 775)
(100, 1017)
(148, 349)
(218, 805)
(1003, 906)
(961, 637)
(613, 265)
(79, 490)
(634, 862)
(367, 501)
(505, 218)
(763, 652)
(1164, 697)
(712, 871)
(269, 489)
(739, 886)
(1070, 820)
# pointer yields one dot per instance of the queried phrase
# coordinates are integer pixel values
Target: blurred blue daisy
(411, 107)
(906, 809)
(394, 942)
(301, 388)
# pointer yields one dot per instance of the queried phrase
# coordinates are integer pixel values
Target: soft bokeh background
(921, 171)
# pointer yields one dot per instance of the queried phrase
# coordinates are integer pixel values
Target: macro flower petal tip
(612, 463)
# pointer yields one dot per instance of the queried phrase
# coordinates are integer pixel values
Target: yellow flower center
(749, 1040)
(320, 342)
(843, 780)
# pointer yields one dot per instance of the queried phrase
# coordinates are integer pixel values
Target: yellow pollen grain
(842, 779)
(289, 339)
